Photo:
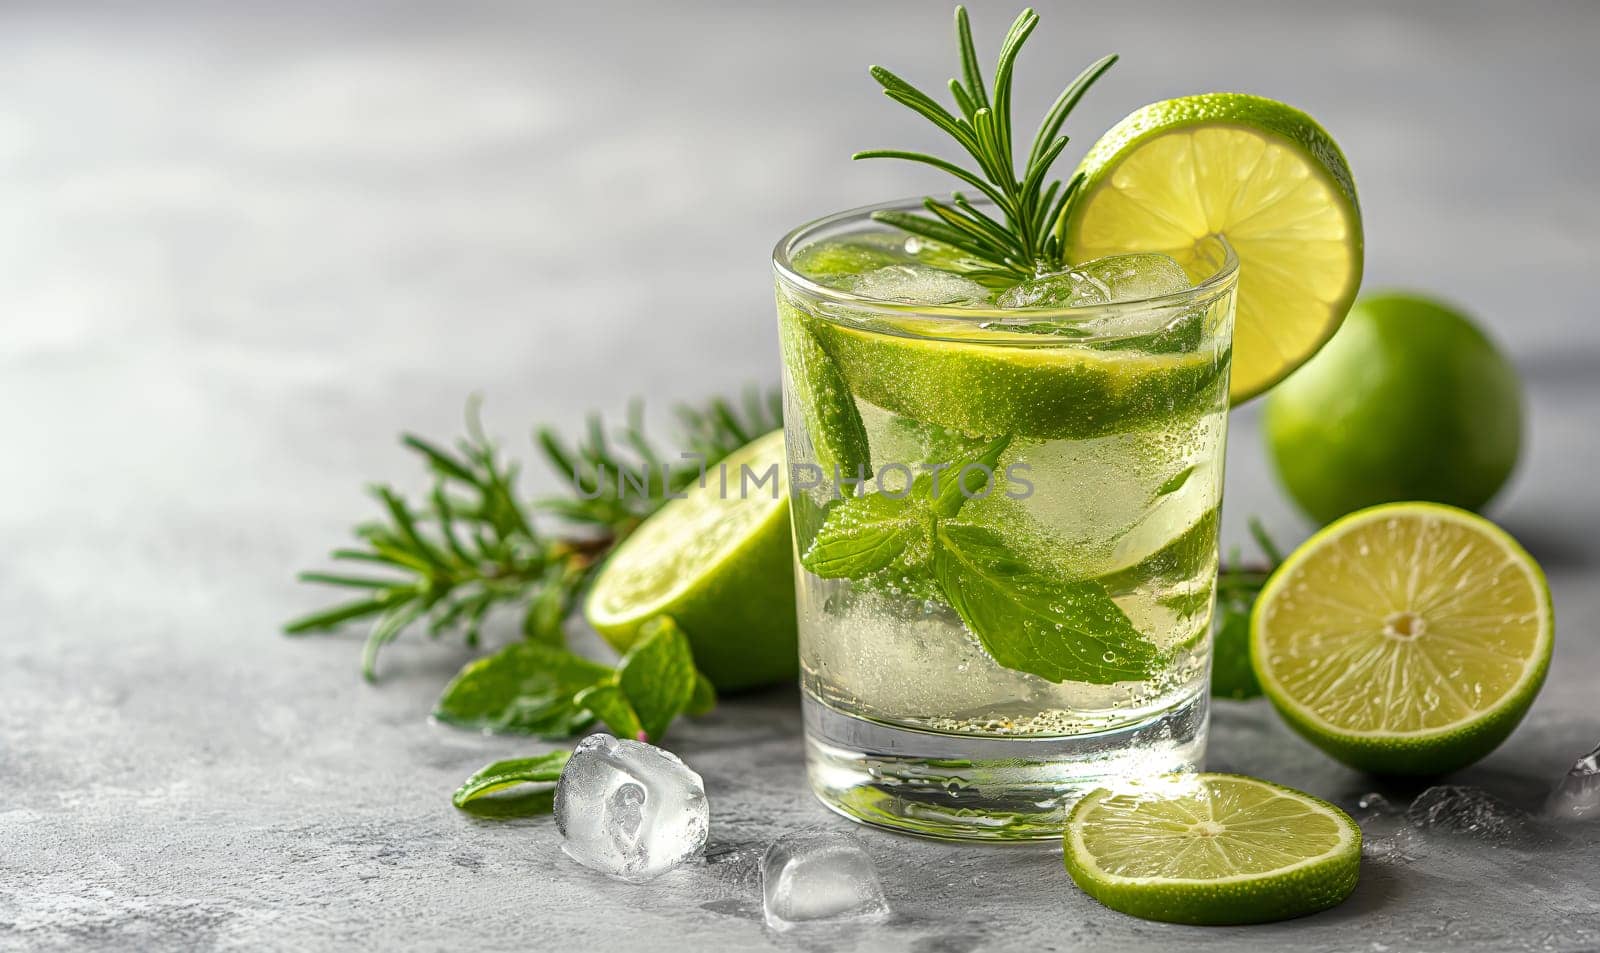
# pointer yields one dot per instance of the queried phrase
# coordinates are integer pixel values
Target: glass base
(985, 788)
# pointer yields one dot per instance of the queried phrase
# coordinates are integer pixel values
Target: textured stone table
(240, 249)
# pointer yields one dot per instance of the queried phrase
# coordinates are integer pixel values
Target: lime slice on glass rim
(718, 562)
(1407, 638)
(1259, 173)
(1211, 849)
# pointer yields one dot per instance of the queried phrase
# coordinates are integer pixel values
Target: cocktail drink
(1005, 415)
(1005, 501)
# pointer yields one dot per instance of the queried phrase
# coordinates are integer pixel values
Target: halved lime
(1211, 849)
(718, 562)
(1263, 175)
(1408, 638)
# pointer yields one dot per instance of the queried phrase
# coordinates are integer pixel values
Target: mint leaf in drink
(540, 769)
(525, 688)
(1175, 482)
(1056, 629)
(658, 676)
(964, 478)
(610, 704)
(860, 536)
(883, 531)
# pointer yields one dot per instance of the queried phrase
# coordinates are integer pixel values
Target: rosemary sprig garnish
(1029, 241)
(473, 545)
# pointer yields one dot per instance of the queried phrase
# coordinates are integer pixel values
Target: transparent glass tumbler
(1005, 529)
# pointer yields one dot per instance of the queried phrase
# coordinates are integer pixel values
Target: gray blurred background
(243, 245)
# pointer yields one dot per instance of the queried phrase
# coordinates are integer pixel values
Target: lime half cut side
(718, 562)
(1261, 174)
(1211, 849)
(1408, 638)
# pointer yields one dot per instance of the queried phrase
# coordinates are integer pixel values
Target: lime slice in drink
(718, 562)
(1211, 849)
(1263, 175)
(1408, 638)
(823, 398)
(980, 384)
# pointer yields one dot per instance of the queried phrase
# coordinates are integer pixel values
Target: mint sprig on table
(1026, 619)
(543, 771)
(1238, 586)
(1028, 241)
(534, 689)
(474, 546)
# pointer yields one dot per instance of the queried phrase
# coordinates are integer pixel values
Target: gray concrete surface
(242, 246)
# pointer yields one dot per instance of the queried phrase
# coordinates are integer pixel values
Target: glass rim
(1219, 282)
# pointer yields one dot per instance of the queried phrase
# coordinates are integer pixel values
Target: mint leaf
(541, 769)
(658, 675)
(872, 533)
(1231, 673)
(1032, 622)
(862, 535)
(525, 688)
(957, 484)
(610, 704)
(704, 698)
(1175, 482)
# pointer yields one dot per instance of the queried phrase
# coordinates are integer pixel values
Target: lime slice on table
(718, 562)
(1211, 849)
(1408, 638)
(1259, 173)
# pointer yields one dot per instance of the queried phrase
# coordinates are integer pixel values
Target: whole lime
(1409, 401)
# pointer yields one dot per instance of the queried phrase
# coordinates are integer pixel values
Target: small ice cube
(1395, 848)
(1457, 809)
(919, 284)
(1135, 277)
(629, 809)
(1063, 289)
(1577, 796)
(813, 876)
(1376, 803)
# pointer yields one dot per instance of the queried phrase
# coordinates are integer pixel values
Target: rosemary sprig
(1029, 241)
(473, 545)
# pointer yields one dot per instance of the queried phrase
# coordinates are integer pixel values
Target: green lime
(1408, 638)
(1263, 175)
(1409, 402)
(977, 382)
(718, 562)
(1211, 849)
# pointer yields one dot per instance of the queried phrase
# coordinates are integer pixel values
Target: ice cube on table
(1135, 277)
(1577, 796)
(919, 284)
(819, 876)
(629, 809)
(1458, 809)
